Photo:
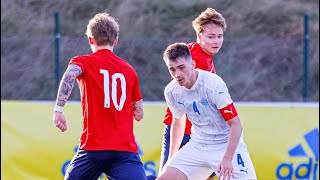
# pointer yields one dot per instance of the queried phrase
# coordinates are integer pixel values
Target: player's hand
(59, 121)
(225, 170)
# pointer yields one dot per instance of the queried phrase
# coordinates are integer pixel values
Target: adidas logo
(307, 170)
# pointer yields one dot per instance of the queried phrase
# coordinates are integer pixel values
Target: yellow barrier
(283, 140)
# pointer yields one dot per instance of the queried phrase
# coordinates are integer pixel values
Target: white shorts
(198, 162)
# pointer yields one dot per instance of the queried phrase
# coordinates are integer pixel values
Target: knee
(161, 178)
(164, 176)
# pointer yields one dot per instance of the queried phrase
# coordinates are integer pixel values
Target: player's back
(108, 86)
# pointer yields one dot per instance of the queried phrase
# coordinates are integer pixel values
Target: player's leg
(211, 177)
(172, 173)
(126, 165)
(83, 167)
(242, 164)
(166, 145)
(188, 163)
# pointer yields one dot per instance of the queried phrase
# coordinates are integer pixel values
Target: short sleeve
(176, 112)
(79, 62)
(136, 96)
(224, 102)
(221, 96)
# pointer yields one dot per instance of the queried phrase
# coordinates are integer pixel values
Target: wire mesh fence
(255, 68)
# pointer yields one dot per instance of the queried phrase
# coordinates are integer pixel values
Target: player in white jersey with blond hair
(216, 142)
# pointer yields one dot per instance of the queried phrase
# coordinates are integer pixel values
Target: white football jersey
(201, 103)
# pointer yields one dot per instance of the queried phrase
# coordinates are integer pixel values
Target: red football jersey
(108, 87)
(204, 61)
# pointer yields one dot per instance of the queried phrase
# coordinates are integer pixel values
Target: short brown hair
(103, 28)
(175, 51)
(206, 17)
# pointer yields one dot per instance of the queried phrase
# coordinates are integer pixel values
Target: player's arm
(64, 92)
(138, 110)
(176, 134)
(225, 167)
(178, 122)
(234, 136)
(224, 103)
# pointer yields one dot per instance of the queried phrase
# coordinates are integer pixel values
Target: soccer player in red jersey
(111, 99)
(209, 26)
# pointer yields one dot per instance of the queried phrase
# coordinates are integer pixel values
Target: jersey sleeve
(176, 111)
(79, 62)
(136, 93)
(223, 101)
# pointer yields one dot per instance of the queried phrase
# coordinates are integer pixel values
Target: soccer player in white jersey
(216, 142)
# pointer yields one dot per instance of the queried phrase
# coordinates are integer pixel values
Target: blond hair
(103, 28)
(206, 17)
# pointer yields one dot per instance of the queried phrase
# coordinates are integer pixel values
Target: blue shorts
(166, 146)
(117, 165)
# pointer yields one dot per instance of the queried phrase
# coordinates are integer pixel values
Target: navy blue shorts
(166, 146)
(117, 165)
